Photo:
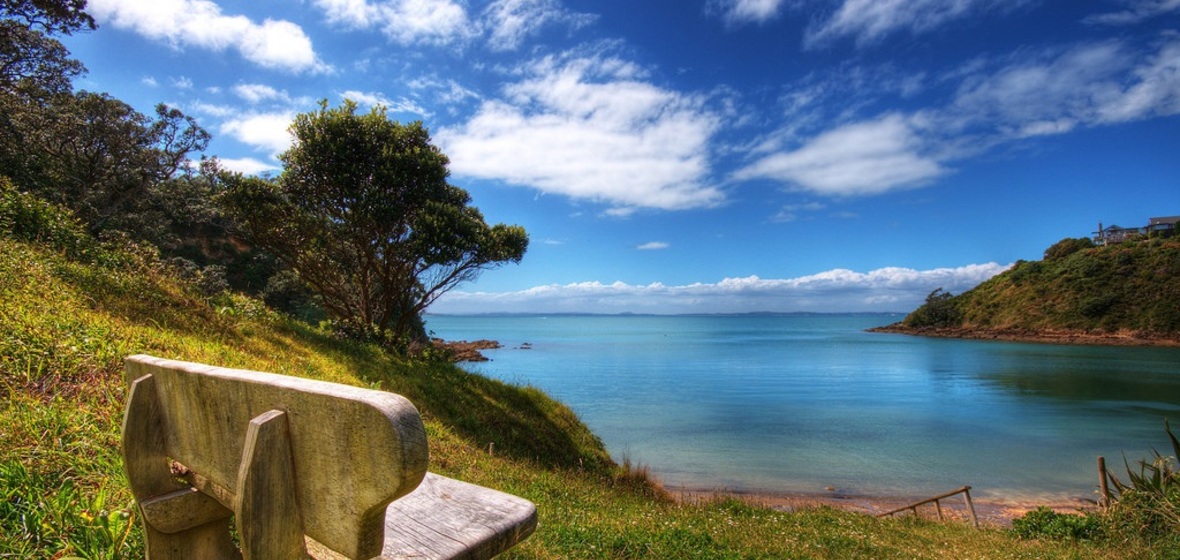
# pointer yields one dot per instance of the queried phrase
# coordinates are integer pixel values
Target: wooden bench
(307, 469)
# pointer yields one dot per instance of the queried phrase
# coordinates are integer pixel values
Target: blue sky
(673, 156)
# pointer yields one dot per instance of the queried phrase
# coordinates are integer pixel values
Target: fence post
(1104, 500)
(970, 506)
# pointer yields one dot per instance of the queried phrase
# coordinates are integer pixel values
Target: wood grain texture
(355, 450)
(269, 524)
(447, 518)
(145, 459)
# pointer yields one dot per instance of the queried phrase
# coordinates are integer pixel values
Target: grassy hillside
(1118, 292)
(70, 311)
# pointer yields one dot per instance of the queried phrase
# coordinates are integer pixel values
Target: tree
(364, 214)
(938, 311)
(101, 158)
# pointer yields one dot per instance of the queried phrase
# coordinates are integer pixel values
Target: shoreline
(1034, 336)
(990, 511)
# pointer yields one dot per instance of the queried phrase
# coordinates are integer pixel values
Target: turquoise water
(805, 403)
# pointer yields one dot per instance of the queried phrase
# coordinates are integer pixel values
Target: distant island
(1082, 292)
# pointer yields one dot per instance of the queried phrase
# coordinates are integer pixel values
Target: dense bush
(1044, 522)
(939, 311)
(1067, 247)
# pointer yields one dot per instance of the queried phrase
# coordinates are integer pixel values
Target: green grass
(67, 323)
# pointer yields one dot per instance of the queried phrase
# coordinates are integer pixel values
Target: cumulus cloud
(431, 22)
(869, 21)
(591, 128)
(1137, 11)
(510, 22)
(862, 158)
(273, 44)
(266, 132)
(886, 289)
(247, 166)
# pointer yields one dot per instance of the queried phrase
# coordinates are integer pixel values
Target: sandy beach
(996, 512)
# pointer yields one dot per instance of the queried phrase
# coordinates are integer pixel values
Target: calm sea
(804, 403)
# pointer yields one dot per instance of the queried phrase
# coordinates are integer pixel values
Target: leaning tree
(362, 211)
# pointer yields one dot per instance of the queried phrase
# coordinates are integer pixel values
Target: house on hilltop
(1165, 225)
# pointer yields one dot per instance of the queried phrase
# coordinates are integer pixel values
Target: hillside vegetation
(1123, 293)
(72, 308)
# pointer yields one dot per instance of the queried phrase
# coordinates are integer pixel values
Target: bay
(807, 403)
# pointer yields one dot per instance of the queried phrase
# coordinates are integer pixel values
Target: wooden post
(938, 506)
(970, 506)
(1104, 501)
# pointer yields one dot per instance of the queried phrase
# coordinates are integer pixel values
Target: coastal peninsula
(1118, 294)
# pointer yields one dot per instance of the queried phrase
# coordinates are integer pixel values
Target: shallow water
(801, 403)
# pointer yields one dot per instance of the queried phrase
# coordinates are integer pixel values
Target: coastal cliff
(1119, 294)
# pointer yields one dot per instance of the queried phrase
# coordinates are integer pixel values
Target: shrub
(1044, 522)
(1067, 247)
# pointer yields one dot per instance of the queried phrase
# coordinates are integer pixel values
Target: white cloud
(590, 128)
(264, 131)
(247, 166)
(149, 81)
(274, 44)
(256, 93)
(510, 22)
(746, 11)
(1084, 86)
(434, 22)
(871, 20)
(1137, 11)
(653, 246)
(886, 289)
(863, 158)
(372, 99)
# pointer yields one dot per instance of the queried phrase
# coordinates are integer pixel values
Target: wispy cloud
(746, 11)
(273, 44)
(372, 99)
(990, 102)
(1136, 11)
(886, 289)
(653, 246)
(510, 22)
(869, 21)
(591, 128)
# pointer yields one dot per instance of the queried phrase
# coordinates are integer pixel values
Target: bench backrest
(353, 450)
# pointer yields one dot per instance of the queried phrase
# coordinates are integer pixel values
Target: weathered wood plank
(269, 524)
(145, 459)
(447, 518)
(354, 449)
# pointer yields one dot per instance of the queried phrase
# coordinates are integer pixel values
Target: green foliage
(1067, 247)
(363, 214)
(1149, 500)
(1044, 522)
(1124, 289)
(939, 311)
(29, 218)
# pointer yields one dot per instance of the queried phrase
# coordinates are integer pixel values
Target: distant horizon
(630, 314)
